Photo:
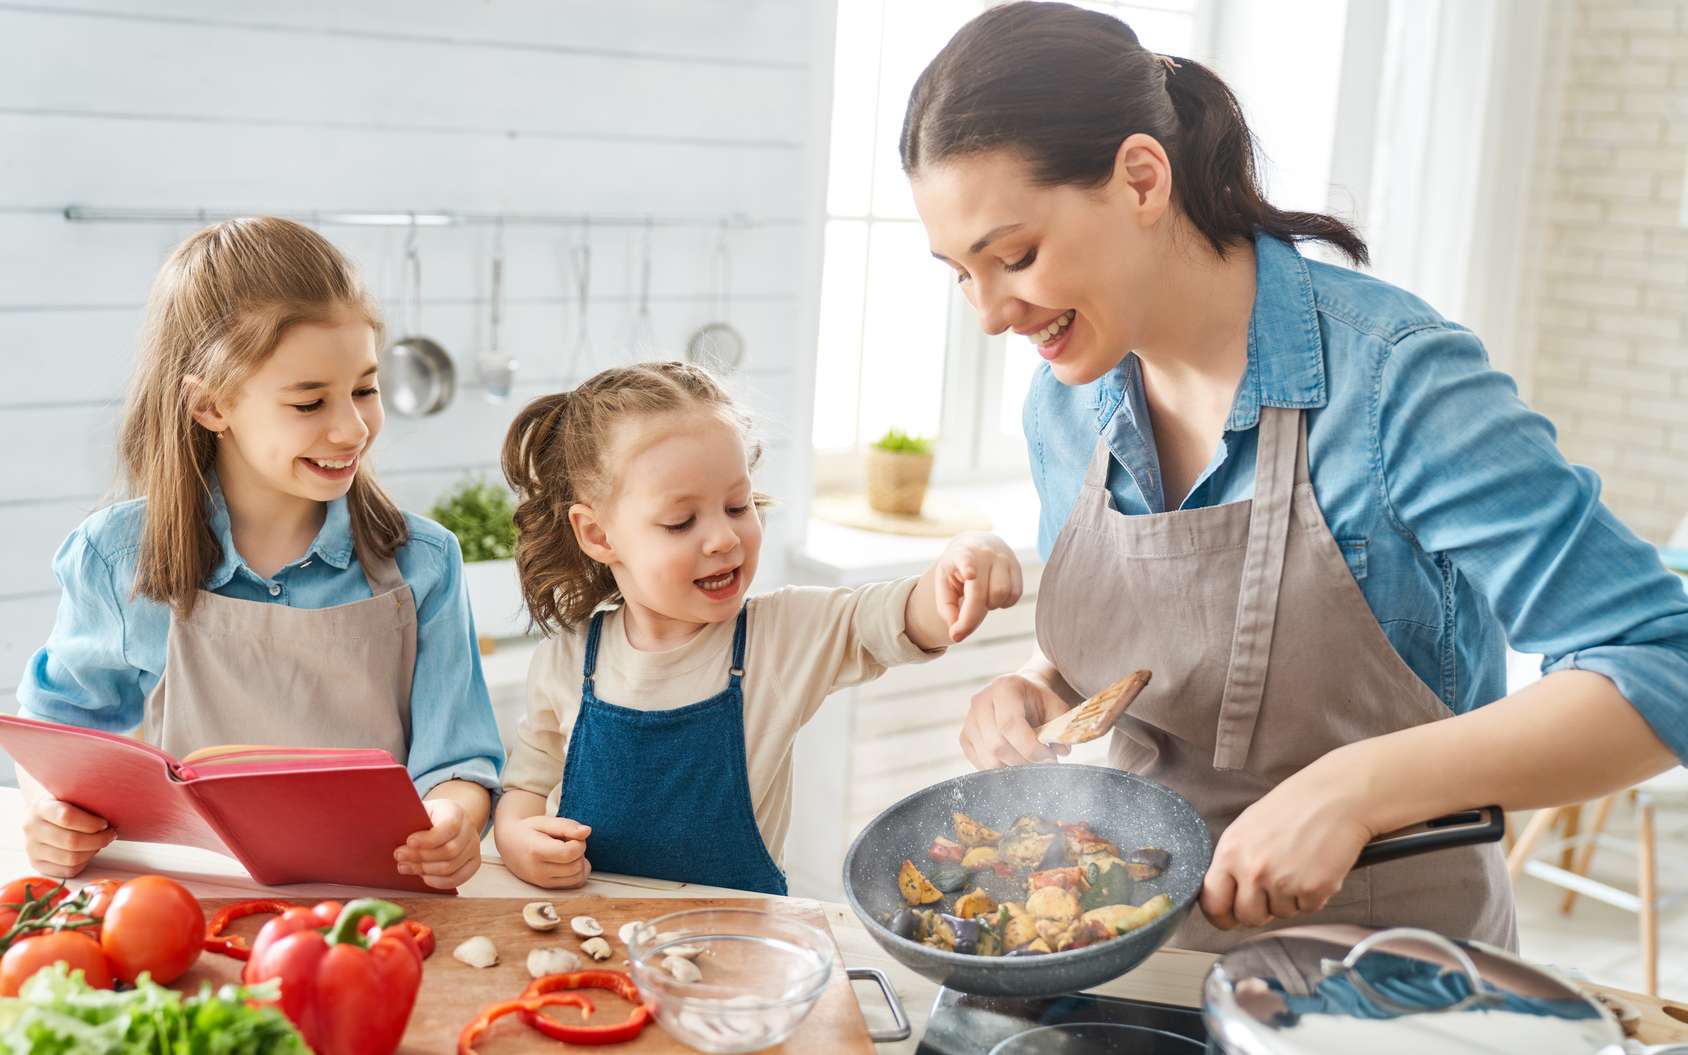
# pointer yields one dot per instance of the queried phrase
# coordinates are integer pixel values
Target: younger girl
(261, 587)
(661, 728)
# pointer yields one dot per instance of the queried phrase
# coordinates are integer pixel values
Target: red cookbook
(288, 814)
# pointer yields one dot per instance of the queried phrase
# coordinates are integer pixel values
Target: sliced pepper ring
(235, 946)
(569, 1033)
(527, 1005)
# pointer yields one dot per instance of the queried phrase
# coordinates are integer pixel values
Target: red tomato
(13, 895)
(153, 924)
(78, 951)
(103, 891)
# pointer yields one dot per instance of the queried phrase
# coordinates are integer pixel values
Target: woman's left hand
(1287, 854)
(447, 854)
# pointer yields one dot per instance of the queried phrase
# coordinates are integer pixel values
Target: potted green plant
(482, 517)
(899, 467)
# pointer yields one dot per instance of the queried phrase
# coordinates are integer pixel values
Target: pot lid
(1334, 989)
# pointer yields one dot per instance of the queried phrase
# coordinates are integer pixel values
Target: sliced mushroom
(586, 926)
(685, 952)
(541, 915)
(597, 948)
(628, 930)
(1147, 862)
(554, 960)
(478, 951)
(682, 969)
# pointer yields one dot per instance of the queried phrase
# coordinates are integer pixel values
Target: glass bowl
(761, 974)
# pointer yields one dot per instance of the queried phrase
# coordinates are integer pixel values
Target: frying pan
(1129, 810)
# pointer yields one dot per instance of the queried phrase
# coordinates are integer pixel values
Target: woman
(1294, 492)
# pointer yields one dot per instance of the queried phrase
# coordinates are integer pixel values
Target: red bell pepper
(526, 1004)
(610, 981)
(347, 992)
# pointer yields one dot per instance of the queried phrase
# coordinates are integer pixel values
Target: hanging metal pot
(1337, 988)
(417, 376)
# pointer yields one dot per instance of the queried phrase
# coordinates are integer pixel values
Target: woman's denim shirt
(1464, 526)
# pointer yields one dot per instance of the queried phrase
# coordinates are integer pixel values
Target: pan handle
(1469, 828)
(900, 1029)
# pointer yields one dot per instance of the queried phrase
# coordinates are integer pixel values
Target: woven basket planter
(896, 481)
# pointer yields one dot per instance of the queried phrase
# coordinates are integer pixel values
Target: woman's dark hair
(1063, 87)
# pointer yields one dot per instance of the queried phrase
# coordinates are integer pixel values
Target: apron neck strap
(1280, 463)
(736, 673)
(382, 573)
(594, 631)
(1096, 475)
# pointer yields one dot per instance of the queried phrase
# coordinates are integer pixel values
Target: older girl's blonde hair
(554, 457)
(218, 308)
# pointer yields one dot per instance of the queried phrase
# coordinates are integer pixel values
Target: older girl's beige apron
(246, 672)
(1265, 657)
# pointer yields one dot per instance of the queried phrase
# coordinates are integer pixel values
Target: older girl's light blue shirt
(106, 650)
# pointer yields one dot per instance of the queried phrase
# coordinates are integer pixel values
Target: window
(899, 347)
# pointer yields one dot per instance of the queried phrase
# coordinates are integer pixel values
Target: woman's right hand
(1002, 721)
(61, 839)
(546, 851)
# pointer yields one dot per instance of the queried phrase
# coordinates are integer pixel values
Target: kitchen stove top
(1076, 1024)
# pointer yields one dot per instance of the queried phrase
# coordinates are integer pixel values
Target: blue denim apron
(667, 793)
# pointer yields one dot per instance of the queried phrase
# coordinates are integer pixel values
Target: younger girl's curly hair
(554, 456)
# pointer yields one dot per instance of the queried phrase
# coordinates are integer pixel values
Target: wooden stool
(1576, 853)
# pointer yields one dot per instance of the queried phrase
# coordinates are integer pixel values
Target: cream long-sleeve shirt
(802, 644)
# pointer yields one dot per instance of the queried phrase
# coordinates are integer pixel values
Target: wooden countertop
(1170, 976)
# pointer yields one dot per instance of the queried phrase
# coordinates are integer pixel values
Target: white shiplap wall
(693, 108)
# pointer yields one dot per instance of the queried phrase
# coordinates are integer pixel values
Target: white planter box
(495, 597)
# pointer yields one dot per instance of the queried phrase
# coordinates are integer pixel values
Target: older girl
(261, 587)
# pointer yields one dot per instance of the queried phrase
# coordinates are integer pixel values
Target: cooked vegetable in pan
(1036, 887)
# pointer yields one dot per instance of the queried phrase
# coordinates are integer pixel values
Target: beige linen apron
(246, 672)
(1265, 657)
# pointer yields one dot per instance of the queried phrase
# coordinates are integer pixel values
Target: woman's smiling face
(1067, 267)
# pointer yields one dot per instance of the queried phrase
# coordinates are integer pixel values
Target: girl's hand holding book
(447, 854)
(61, 839)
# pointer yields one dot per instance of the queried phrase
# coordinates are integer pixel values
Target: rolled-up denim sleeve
(82, 675)
(1468, 471)
(453, 733)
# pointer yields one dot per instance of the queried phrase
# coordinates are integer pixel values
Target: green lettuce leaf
(57, 1013)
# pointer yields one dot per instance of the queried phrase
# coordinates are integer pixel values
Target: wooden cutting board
(453, 992)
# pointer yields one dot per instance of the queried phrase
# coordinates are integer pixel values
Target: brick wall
(1610, 288)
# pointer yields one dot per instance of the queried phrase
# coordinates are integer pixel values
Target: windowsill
(834, 555)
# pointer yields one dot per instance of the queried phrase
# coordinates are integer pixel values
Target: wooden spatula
(1095, 716)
